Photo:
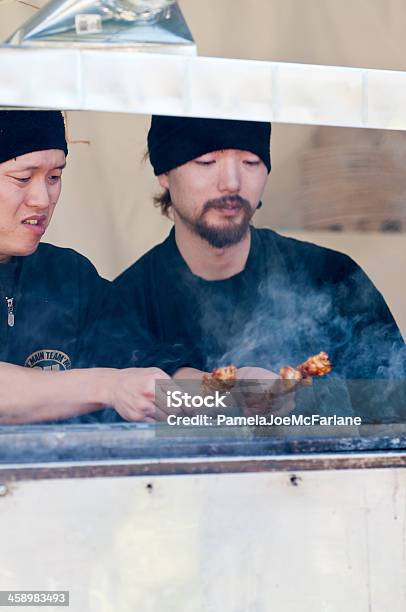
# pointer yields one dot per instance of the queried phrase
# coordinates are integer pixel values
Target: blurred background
(340, 187)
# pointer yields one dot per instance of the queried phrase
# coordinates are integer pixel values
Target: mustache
(226, 202)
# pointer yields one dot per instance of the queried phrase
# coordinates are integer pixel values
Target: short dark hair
(164, 202)
(161, 200)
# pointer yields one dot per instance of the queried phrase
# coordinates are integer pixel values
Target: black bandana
(23, 131)
(173, 141)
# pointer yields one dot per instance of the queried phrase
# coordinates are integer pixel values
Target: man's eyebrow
(61, 167)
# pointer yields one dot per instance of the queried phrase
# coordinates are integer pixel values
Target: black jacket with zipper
(49, 319)
(65, 316)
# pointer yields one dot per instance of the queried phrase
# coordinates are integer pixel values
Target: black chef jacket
(49, 302)
(292, 300)
(57, 313)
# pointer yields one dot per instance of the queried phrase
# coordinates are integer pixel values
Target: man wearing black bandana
(50, 298)
(235, 294)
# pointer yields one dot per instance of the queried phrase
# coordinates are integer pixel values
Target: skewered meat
(224, 379)
(318, 365)
(221, 379)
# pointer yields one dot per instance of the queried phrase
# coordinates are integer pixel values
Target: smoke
(286, 320)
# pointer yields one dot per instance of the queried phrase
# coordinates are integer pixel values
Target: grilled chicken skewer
(224, 379)
(318, 365)
(221, 379)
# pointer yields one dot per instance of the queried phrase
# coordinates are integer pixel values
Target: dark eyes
(21, 180)
(53, 178)
(213, 161)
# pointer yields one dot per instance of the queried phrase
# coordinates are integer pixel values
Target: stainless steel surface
(136, 24)
(277, 541)
(143, 443)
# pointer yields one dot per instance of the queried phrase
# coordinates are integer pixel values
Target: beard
(223, 234)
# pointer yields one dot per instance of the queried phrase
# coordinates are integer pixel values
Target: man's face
(29, 190)
(215, 195)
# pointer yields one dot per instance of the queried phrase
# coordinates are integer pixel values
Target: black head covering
(173, 141)
(24, 131)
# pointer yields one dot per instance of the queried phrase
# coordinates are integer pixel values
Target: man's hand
(30, 395)
(189, 374)
(132, 393)
(184, 380)
(257, 374)
(262, 395)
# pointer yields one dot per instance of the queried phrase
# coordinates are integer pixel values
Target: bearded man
(232, 293)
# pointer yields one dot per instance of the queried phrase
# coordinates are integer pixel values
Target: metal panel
(53, 443)
(214, 465)
(136, 25)
(327, 540)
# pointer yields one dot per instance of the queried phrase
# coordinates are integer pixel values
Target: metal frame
(171, 452)
(196, 466)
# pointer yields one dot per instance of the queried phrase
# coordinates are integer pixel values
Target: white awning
(131, 82)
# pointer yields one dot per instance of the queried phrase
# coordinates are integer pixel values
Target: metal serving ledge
(28, 452)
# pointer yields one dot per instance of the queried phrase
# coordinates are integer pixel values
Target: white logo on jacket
(49, 359)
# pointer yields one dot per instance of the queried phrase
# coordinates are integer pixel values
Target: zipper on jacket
(10, 311)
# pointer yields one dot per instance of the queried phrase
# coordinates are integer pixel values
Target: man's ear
(163, 180)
